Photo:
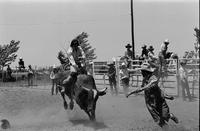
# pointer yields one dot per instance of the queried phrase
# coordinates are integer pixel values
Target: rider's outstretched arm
(70, 57)
(82, 52)
(149, 85)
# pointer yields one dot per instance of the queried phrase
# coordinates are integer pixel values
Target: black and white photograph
(99, 65)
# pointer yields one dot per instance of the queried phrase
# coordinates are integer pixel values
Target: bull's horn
(102, 91)
(85, 88)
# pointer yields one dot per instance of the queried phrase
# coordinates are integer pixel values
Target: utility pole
(132, 31)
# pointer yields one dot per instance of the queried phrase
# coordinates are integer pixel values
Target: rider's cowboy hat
(128, 46)
(146, 67)
(151, 48)
(74, 42)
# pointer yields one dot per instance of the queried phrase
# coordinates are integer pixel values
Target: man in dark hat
(112, 77)
(144, 54)
(154, 96)
(151, 56)
(128, 55)
(21, 64)
(9, 73)
(128, 52)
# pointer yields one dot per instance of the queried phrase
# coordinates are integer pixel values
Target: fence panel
(170, 84)
(40, 78)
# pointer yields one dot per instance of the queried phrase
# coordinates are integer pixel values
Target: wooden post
(117, 73)
(93, 73)
(16, 74)
(35, 76)
(132, 31)
(194, 79)
(104, 80)
(179, 88)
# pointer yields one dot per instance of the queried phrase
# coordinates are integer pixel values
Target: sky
(44, 27)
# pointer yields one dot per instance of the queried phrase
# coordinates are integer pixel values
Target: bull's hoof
(5, 124)
(65, 105)
(71, 105)
(93, 119)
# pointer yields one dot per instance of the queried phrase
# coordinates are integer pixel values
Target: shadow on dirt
(87, 123)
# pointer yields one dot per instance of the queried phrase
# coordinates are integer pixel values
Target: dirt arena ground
(34, 109)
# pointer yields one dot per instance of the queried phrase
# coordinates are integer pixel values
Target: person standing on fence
(184, 81)
(30, 75)
(128, 55)
(163, 52)
(21, 64)
(112, 78)
(154, 97)
(162, 62)
(128, 52)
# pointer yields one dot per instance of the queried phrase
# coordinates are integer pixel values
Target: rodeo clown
(154, 96)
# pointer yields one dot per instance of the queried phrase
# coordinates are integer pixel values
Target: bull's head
(89, 103)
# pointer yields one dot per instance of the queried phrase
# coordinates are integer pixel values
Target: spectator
(9, 72)
(162, 56)
(128, 52)
(164, 49)
(30, 76)
(128, 55)
(196, 48)
(124, 77)
(21, 64)
(53, 78)
(112, 78)
(144, 54)
(164, 45)
(184, 81)
(151, 56)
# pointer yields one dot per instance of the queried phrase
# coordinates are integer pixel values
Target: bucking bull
(84, 91)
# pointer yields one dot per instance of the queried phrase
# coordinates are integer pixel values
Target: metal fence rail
(170, 84)
(100, 69)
